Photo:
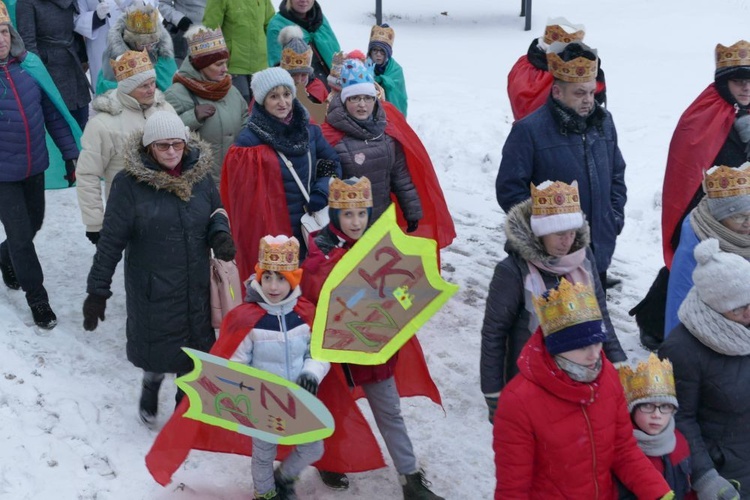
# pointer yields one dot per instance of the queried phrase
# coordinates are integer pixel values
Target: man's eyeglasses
(664, 408)
(356, 99)
(164, 146)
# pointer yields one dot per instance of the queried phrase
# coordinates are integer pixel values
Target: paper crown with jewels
(278, 253)
(577, 70)
(724, 182)
(570, 317)
(206, 41)
(555, 207)
(4, 16)
(334, 77)
(651, 382)
(142, 20)
(561, 30)
(131, 63)
(352, 193)
(382, 34)
(734, 55)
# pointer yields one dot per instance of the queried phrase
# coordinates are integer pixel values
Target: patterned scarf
(706, 226)
(213, 91)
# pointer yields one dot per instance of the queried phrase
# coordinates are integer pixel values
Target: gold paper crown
(557, 198)
(556, 33)
(652, 378)
(292, 60)
(4, 16)
(724, 182)
(207, 41)
(578, 70)
(565, 306)
(130, 63)
(278, 254)
(381, 34)
(734, 55)
(337, 64)
(142, 20)
(342, 195)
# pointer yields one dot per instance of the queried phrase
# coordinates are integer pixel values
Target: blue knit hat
(268, 79)
(357, 78)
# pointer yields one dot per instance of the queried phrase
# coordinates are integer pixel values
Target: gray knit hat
(164, 125)
(268, 79)
(720, 278)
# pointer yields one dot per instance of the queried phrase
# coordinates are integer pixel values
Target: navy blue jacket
(24, 111)
(538, 148)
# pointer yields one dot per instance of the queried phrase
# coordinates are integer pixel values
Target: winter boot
(9, 276)
(334, 480)
(43, 315)
(416, 487)
(284, 485)
(149, 404)
(271, 495)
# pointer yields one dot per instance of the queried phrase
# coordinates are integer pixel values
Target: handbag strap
(288, 164)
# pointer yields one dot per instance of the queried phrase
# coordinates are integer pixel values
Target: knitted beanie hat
(268, 79)
(206, 46)
(382, 37)
(727, 190)
(296, 55)
(164, 125)
(720, 278)
(357, 76)
(132, 69)
(555, 207)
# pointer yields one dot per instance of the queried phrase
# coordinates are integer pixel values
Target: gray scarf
(706, 226)
(659, 445)
(713, 330)
(577, 372)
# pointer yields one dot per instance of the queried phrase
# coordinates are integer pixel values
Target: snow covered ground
(68, 398)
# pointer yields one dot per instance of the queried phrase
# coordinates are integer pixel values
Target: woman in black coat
(165, 212)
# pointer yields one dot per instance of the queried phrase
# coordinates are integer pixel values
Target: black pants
(22, 214)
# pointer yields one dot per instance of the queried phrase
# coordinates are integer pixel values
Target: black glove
(491, 407)
(411, 226)
(308, 382)
(223, 246)
(93, 311)
(70, 172)
(93, 236)
(184, 24)
(325, 168)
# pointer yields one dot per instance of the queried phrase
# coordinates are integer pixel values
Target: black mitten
(70, 172)
(93, 311)
(223, 246)
(411, 226)
(184, 24)
(308, 382)
(93, 236)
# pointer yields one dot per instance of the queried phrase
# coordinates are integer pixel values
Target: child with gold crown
(652, 402)
(562, 428)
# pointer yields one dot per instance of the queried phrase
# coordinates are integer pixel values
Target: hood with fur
(116, 45)
(17, 47)
(113, 102)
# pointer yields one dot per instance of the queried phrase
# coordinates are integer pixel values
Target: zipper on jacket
(23, 117)
(282, 327)
(593, 447)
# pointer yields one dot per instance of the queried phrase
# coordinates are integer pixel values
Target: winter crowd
(218, 126)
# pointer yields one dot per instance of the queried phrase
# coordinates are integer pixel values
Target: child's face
(586, 356)
(353, 222)
(377, 56)
(275, 286)
(651, 423)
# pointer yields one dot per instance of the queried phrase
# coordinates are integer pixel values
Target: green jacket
(324, 39)
(218, 130)
(244, 24)
(393, 82)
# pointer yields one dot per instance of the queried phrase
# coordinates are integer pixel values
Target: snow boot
(271, 495)
(416, 487)
(334, 480)
(284, 485)
(43, 315)
(9, 276)
(149, 404)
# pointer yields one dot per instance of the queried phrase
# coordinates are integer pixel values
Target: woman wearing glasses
(723, 214)
(165, 212)
(710, 353)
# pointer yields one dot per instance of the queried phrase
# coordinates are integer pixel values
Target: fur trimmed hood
(196, 166)
(113, 103)
(522, 240)
(116, 45)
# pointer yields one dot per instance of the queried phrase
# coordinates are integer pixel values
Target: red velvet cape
(436, 223)
(352, 447)
(701, 132)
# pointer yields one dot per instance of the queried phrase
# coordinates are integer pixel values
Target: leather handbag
(226, 291)
(310, 222)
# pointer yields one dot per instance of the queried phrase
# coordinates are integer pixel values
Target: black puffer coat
(374, 154)
(507, 317)
(164, 224)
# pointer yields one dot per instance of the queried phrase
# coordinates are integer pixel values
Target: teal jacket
(323, 38)
(393, 82)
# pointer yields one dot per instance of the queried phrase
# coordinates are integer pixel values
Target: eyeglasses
(740, 218)
(664, 408)
(164, 146)
(368, 99)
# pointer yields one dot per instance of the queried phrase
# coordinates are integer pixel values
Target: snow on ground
(68, 398)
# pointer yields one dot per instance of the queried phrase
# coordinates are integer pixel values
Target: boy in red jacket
(562, 428)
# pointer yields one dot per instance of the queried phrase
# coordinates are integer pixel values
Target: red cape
(701, 132)
(436, 223)
(352, 447)
(316, 89)
(528, 87)
(253, 195)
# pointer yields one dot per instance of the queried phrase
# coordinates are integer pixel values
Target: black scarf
(310, 23)
(571, 122)
(292, 139)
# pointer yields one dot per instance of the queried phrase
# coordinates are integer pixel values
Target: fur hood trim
(116, 45)
(194, 169)
(522, 240)
(113, 104)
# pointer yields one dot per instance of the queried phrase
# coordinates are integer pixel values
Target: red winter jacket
(556, 438)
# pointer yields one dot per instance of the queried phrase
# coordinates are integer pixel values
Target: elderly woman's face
(739, 223)
(215, 72)
(145, 92)
(278, 102)
(559, 244)
(739, 315)
(168, 152)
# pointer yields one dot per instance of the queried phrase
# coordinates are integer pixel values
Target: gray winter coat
(507, 317)
(174, 10)
(370, 152)
(46, 27)
(164, 224)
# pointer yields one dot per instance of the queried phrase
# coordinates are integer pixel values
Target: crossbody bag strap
(294, 174)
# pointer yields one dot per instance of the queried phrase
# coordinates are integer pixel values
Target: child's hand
(308, 382)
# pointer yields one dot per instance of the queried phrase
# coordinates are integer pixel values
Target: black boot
(149, 404)
(416, 487)
(284, 485)
(9, 276)
(335, 480)
(43, 315)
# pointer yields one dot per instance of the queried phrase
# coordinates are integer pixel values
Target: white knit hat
(720, 278)
(555, 207)
(164, 125)
(268, 79)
